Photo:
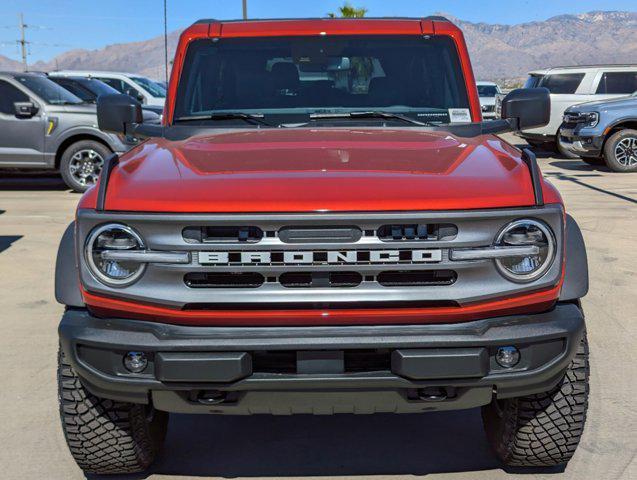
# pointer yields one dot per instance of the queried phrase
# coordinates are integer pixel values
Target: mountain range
(498, 52)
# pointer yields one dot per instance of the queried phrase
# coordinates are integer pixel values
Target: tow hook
(211, 397)
(432, 394)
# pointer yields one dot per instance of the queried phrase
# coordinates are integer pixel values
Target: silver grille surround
(478, 280)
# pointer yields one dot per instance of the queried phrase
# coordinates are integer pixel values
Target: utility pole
(23, 43)
(245, 9)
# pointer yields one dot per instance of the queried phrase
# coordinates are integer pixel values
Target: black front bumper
(582, 145)
(353, 369)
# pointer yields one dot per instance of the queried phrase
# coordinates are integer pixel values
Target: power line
(25, 45)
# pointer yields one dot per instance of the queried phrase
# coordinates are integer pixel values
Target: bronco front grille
(417, 278)
(319, 260)
(320, 279)
(224, 280)
(417, 232)
(223, 234)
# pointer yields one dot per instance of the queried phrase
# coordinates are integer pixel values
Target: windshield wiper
(246, 117)
(370, 114)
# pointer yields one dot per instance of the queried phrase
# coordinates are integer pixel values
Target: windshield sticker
(459, 115)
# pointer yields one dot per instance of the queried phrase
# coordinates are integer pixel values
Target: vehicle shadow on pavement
(576, 179)
(578, 166)
(255, 446)
(7, 240)
(13, 182)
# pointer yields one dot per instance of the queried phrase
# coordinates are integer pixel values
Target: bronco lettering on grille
(350, 257)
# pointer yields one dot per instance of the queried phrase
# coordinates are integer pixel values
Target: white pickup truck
(487, 92)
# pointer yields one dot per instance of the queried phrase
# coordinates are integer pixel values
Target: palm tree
(347, 11)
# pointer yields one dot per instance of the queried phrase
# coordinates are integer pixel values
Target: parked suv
(487, 91)
(88, 89)
(322, 225)
(44, 126)
(148, 92)
(603, 132)
(572, 85)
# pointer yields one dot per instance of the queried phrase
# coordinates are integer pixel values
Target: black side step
(536, 176)
(110, 163)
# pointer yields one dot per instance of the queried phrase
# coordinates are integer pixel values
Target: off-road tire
(67, 157)
(610, 147)
(541, 430)
(106, 436)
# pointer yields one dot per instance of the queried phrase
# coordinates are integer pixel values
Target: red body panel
(318, 170)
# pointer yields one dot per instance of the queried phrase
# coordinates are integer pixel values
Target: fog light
(135, 362)
(507, 357)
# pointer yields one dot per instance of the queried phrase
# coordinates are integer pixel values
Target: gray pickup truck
(603, 132)
(44, 126)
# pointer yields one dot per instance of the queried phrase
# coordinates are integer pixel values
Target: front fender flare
(619, 121)
(67, 274)
(576, 269)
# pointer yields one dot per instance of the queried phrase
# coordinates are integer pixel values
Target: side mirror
(527, 108)
(25, 109)
(118, 113)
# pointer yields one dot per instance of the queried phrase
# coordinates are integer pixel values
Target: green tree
(347, 11)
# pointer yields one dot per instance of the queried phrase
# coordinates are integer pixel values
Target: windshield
(487, 90)
(76, 89)
(532, 81)
(155, 89)
(47, 90)
(87, 89)
(294, 77)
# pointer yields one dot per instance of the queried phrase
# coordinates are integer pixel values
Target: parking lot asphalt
(35, 210)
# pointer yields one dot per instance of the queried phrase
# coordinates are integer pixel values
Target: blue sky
(60, 25)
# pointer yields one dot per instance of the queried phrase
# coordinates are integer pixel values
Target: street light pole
(245, 9)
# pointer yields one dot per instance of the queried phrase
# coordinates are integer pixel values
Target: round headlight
(113, 237)
(526, 233)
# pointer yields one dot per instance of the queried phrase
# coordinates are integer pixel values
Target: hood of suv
(80, 108)
(318, 170)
